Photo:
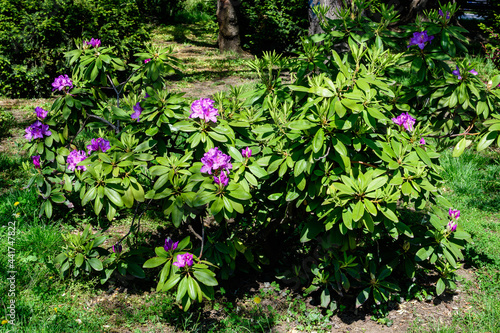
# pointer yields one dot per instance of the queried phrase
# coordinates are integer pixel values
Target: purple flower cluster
(420, 38)
(117, 248)
(454, 215)
(422, 141)
(456, 72)
(215, 161)
(147, 60)
(93, 42)
(40, 113)
(222, 179)
(61, 82)
(442, 15)
(246, 153)
(37, 130)
(137, 111)
(184, 260)
(170, 245)
(75, 157)
(405, 120)
(98, 144)
(36, 161)
(204, 109)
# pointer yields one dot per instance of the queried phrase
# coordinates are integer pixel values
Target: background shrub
(34, 34)
(272, 25)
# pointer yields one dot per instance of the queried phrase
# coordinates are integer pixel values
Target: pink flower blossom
(405, 120)
(61, 82)
(75, 157)
(247, 152)
(215, 161)
(137, 111)
(36, 161)
(183, 260)
(98, 144)
(454, 214)
(204, 109)
(36, 131)
(40, 113)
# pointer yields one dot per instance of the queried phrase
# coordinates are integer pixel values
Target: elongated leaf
(459, 148)
(154, 262)
(113, 196)
(95, 263)
(205, 278)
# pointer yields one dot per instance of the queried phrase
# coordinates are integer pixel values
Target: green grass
(473, 186)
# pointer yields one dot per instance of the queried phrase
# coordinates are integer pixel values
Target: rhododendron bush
(344, 158)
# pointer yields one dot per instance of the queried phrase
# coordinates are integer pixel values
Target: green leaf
(320, 91)
(79, 260)
(440, 286)
(206, 278)
(300, 125)
(258, 171)
(182, 289)
(459, 148)
(362, 297)
(95, 263)
(318, 140)
(325, 297)
(171, 282)
(311, 230)
(113, 196)
(376, 183)
(423, 155)
(135, 270)
(486, 140)
(424, 253)
(216, 206)
(191, 289)
(154, 262)
(358, 211)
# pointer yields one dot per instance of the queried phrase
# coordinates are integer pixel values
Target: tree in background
(229, 30)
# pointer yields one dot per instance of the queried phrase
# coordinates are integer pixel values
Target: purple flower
(170, 245)
(93, 42)
(404, 119)
(454, 214)
(473, 71)
(452, 226)
(420, 38)
(247, 152)
(36, 161)
(422, 141)
(147, 60)
(117, 248)
(75, 157)
(204, 109)
(457, 73)
(98, 144)
(222, 179)
(36, 131)
(40, 113)
(61, 82)
(137, 111)
(215, 161)
(183, 260)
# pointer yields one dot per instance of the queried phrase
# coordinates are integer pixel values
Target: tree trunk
(229, 31)
(335, 6)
